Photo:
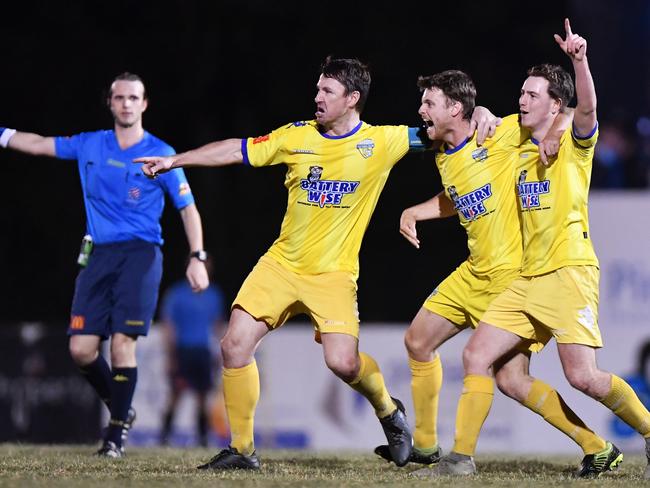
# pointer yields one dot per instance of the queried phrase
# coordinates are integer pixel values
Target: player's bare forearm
(435, 208)
(219, 153)
(33, 144)
(585, 112)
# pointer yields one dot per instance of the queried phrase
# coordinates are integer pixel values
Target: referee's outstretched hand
(152, 166)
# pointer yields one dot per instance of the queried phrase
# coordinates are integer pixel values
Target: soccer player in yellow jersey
(558, 290)
(478, 187)
(337, 167)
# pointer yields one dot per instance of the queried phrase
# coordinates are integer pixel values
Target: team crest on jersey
(470, 205)
(480, 154)
(529, 192)
(325, 192)
(365, 147)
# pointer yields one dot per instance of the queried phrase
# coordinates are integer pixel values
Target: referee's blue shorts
(118, 290)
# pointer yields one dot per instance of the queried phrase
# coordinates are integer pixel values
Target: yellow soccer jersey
(553, 205)
(334, 183)
(479, 180)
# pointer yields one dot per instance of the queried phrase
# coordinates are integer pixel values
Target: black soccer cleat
(398, 435)
(110, 450)
(128, 423)
(606, 460)
(416, 456)
(230, 458)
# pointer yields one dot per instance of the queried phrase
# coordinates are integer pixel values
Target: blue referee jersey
(192, 314)
(122, 204)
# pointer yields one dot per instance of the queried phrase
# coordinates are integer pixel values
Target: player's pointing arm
(219, 153)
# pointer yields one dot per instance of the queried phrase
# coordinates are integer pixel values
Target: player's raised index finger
(567, 27)
(143, 159)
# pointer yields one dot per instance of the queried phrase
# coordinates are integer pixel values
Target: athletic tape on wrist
(6, 135)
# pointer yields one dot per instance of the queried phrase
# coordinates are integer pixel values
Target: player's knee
(416, 345)
(235, 351)
(473, 361)
(345, 367)
(582, 380)
(82, 354)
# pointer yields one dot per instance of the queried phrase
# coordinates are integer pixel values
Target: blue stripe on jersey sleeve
(244, 152)
(588, 136)
(418, 140)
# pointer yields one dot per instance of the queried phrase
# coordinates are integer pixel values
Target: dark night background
(232, 69)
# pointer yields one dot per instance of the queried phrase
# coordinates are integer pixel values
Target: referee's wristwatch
(200, 255)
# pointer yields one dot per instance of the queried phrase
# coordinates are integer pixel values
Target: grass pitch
(74, 466)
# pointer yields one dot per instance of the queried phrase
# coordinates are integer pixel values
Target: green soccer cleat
(593, 465)
(230, 458)
(417, 456)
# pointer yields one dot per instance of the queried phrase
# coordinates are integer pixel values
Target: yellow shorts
(464, 296)
(274, 294)
(562, 303)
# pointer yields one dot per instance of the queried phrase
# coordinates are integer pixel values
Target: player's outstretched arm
(575, 47)
(196, 273)
(437, 207)
(219, 153)
(27, 142)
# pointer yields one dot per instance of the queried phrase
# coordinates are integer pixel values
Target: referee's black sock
(122, 389)
(98, 374)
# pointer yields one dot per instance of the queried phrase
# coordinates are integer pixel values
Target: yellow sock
(241, 391)
(426, 381)
(473, 408)
(370, 383)
(545, 401)
(626, 405)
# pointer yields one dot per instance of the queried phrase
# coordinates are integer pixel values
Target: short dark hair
(126, 76)
(560, 83)
(352, 74)
(456, 85)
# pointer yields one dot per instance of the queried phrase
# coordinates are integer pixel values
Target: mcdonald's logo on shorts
(77, 322)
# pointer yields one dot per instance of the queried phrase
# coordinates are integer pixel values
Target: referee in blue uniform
(117, 289)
